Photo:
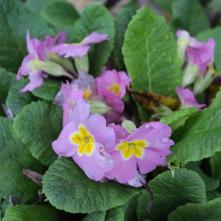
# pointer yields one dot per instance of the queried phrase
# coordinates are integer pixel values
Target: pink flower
(200, 54)
(140, 152)
(80, 49)
(86, 139)
(37, 51)
(187, 98)
(111, 86)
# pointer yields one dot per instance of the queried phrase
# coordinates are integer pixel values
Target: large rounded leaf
(38, 124)
(209, 211)
(31, 213)
(67, 188)
(14, 158)
(172, 191)
(150, 54)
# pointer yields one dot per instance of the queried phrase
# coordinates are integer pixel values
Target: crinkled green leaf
(31, 213)
(14, 158)
(60, 14)
(169, 191)
(96, 18)
(190, 15)
(16, 100)
(67, 188)
(15, 21)
(37, 125)
(150, 54)
(202, 139)
(178, 118)
(209, 211)
(122, 20)
(47, 91)
(215, 34)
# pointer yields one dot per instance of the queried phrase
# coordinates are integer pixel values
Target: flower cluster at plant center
(92, 111)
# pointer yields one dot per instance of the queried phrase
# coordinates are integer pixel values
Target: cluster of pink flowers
(91, 108)
(198, 59)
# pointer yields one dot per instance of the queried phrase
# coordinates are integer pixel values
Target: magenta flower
(80, 49)
(112, 84)
(140, 152)
(37, 51)
(86, 138)
(187, 98)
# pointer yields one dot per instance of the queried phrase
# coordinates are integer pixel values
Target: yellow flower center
(133, 148)
(85, 141)
(115, 88)
(86, 93)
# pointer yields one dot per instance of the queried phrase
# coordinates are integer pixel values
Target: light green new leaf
(169, 191)
(178, 118)
(47, 91)
(38, 125)
(16, 100)
(15, 21)
(215, 34)
(31, 213)
(209, 211)
(67, 188)
(14, 158)
(202, 138)
(150, 54)
(190, 15)
(96, 18)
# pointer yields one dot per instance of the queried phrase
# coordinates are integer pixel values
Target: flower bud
(98, 107)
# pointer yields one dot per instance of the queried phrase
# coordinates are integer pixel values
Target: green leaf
(37, 125)
(150, 54)
(36, 6)
(202, 138)
(16, 100)
(165, 4)
(67, 188)
(178, 118)
(190, 15)
(96, 18)
(7, 79)
(115, 214)
(31, 213)
(211, 184)
(143, 205)
(61, 15)
(122, 20)
(98, 216)
(47, 91)
(215, 162)
(15, 21)
(215, 34)
(15, 157)
(209, 211)
(170, 191)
